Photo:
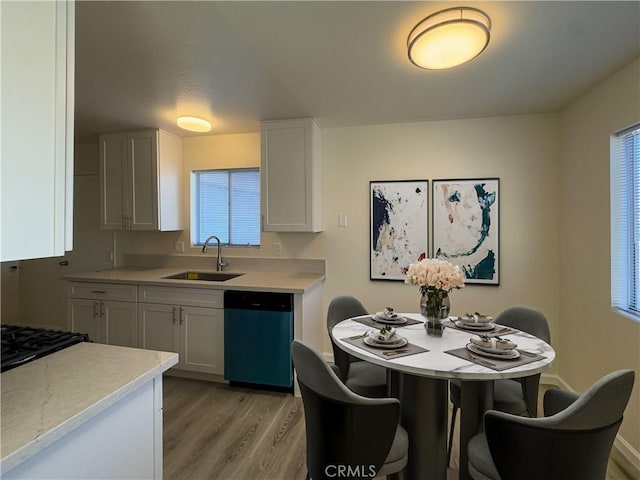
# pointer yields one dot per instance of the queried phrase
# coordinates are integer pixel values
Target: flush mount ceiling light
(448, 38)
(194, 124)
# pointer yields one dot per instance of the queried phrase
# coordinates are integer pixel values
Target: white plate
(475, 326)
(474, 319)
(382, 315)
(397, 320)
(513, 354)
(397, 342)
(496, 351)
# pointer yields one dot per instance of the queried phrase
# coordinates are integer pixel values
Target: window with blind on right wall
(625, 222)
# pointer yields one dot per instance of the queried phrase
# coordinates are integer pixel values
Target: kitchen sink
(204, 276)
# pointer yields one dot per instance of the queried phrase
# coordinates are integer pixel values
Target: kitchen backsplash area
(233, 264)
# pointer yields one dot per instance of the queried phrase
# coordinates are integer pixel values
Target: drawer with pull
(103, 291)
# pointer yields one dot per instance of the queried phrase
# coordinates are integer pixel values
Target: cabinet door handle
(98, 291)
(124, 222)
(173, 314)
(181, 316)
(101, 309)
(96, 309)
(130, 222)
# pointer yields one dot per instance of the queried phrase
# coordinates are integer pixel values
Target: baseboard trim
(555, 381)
(626, 456)
(623, 453)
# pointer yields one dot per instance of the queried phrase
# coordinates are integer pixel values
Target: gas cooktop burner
(22, 344)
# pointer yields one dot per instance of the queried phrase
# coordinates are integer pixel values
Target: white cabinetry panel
(36, 167)
(202, 340)
(106, 312)
(291, 176)
(141, 181)
(182, 320)
(159, 328)
(124, 441)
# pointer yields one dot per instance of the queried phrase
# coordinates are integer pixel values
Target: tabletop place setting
(385, 341)
(386, 317)
(494, 352)
(389, 316)
(477, 322)
(493, 347)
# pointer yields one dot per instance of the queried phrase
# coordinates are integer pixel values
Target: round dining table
(420, 381)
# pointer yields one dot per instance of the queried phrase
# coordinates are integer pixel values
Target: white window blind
(625, 221)
(227, 204)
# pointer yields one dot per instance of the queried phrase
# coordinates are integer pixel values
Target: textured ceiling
(142, 64)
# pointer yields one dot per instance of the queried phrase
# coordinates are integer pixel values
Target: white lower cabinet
(100, 311)
(196, 333)
(158, 327)
(187, 321)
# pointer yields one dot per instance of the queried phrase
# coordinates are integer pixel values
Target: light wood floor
(213, 431)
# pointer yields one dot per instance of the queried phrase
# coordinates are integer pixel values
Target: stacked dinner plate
(493, 347)
(476, 322)
(385, 338)
(389, 317)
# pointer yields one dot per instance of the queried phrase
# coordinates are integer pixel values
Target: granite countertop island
(47, 399)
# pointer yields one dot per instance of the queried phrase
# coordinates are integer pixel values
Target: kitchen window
(625, 222)
(226, 203)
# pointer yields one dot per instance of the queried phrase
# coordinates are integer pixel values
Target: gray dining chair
(348, 435)
(516, 396)
(573, 440)
(361, 377)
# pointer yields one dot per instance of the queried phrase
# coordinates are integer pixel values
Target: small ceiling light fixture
(448, 38)
(194, 124)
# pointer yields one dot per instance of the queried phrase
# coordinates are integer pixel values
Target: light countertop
(287, 282)
(46, 399)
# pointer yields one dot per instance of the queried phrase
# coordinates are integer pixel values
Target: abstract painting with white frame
(466, 227)
(399, 221)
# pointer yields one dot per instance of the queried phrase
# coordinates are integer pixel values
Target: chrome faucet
(219, 264)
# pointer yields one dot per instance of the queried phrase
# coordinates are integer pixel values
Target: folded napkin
(389, 313)
(383, 335)
(494, 343)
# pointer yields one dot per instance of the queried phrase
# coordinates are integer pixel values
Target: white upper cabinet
(141, 181)
(291, 175)
(36, 161)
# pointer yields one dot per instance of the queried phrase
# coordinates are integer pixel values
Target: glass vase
(434, 307)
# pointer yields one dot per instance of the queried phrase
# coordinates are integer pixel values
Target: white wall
(522, 151)
(585, 315)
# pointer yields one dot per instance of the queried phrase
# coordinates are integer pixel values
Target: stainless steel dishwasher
(258, 331)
